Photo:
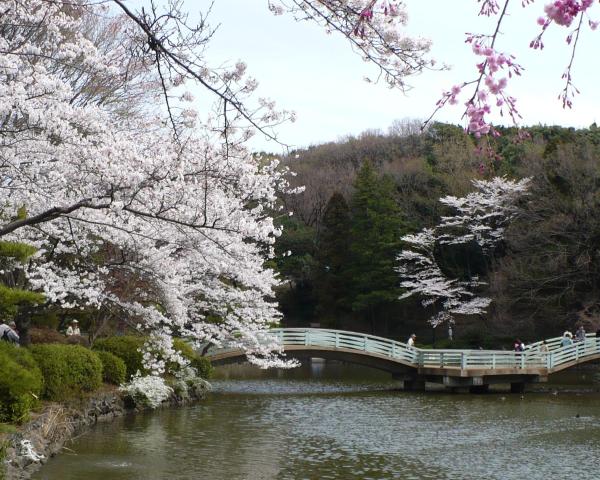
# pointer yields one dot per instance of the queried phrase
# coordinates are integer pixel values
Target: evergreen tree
(15, 300)
(331, 276)
(377, 229)
(295, 263)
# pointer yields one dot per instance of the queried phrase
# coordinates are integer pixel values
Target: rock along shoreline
(45, 436)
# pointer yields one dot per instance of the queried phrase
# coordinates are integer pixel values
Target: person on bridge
(580, 334)
(567, 339)
(518, 346)
(411, 340)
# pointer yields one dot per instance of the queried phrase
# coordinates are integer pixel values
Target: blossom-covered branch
(374, 30)
(112, 188)
(481, 218)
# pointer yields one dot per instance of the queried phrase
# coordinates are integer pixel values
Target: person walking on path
(411, 341)
(8, 333)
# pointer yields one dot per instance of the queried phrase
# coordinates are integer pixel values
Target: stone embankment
(48, 432)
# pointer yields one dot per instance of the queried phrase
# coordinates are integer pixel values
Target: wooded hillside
(363, 194)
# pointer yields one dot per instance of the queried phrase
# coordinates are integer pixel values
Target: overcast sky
(302, 68)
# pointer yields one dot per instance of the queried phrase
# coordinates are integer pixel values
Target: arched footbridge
(476, 369)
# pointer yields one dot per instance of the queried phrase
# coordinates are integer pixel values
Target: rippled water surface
(329, 421)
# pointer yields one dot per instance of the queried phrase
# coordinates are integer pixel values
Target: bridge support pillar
(414, 384)
(517, 387)
(479, 389)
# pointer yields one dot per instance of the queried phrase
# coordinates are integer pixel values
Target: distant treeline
(363, 194)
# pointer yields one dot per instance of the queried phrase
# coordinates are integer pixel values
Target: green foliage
(377, 229)
(203, 367)
(299, 239)
(332, 280)
(113, 368)
(127, 348)
(295, 298)
(19, 251)
(12, 292)
(4, 444)
(20, 383)
(11, 298)
(68, 370)
(78, 340)
(46, 335)
(201, 364)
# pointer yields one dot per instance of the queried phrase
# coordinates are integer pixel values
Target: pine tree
(331, 276)
(377, 229)
(15, 300)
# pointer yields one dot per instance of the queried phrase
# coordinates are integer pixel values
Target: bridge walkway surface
(473, 369)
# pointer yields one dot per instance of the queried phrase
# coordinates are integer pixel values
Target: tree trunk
(23, 322)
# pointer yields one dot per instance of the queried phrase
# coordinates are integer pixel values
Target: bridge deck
(398, 357)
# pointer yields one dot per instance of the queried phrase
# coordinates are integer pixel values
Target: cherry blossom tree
(160, 193)
(108, 171)
(480, 217)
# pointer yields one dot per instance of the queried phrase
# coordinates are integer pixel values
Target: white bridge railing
(532, 357)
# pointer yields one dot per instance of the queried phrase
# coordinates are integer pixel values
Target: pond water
(334, 421)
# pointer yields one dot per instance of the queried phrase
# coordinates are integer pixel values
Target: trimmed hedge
(201, 364)
(20, 383)
(127, 348)
(113, 368)
(78, 340)
(68, 370)
(46, 335)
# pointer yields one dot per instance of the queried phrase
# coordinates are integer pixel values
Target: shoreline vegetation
(26, 448)
(50, 392)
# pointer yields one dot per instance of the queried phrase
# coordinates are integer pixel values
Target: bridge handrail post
(463, 360)
(493, 360)
(393, 349)
(420, 358)
(522, 359)
(337, 339)
(549, 360)
(307, 337)
(442, 359)
(365, 343)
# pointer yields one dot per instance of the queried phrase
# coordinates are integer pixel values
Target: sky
(319, 77)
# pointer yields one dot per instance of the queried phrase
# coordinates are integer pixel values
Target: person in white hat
(411, 340)
(567, 339)
(73, 329)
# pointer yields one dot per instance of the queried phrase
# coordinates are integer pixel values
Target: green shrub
(113, 368)
(201, 364)
(78, 340)
(127, 348)
(46, 335)
(68, 370)
(20, 383)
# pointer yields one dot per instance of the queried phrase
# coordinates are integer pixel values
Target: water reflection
(327, 421)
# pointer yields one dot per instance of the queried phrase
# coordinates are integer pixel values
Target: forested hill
(363, 194)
